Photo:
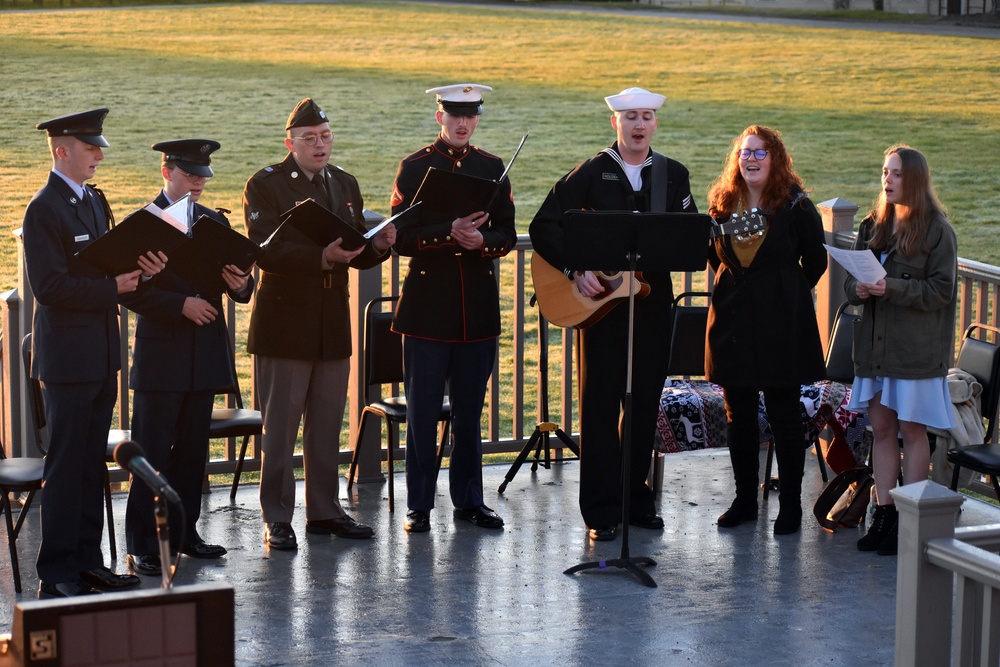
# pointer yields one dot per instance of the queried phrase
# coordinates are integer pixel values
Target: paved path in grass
(975, 26)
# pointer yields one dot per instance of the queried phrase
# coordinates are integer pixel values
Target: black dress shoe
(146, 564)
(104, 579)
(481, 516)
(605, 534)
(66, 589)
(417, 521)
(650, 521)
(346, 526)
(279, 535)
(202, 549)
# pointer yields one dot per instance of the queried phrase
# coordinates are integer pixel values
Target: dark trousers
(603, 350)
(72, 509)
(172, 429)
(465, 368)
(743, 432)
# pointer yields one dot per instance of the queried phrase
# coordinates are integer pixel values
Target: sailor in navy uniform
(449, 311)
(75, 354)
(627, 176)
(180, 359)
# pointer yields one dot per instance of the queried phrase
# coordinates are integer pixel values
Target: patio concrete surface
(464, 595)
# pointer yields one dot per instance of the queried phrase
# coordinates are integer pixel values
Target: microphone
(129, 456)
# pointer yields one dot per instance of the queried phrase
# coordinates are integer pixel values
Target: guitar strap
(658, 184)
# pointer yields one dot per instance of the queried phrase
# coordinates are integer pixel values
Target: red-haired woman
(762, 332)
(903, 345)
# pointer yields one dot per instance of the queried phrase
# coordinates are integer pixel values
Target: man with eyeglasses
(627, 176)
(180, 359)
(300, 328)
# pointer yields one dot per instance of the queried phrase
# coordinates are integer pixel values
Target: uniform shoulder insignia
(487, 154)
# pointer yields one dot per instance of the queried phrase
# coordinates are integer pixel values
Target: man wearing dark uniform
(180, 359)
(449, 312)
(76, 354)
(628, 176)
(300, 328)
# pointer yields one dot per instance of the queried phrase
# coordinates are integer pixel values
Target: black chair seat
(20, 474)
(393, 408)
(981, 359)
(383, 364)
(234, 422)
(981, 458)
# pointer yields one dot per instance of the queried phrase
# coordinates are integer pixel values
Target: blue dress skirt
(925, 401)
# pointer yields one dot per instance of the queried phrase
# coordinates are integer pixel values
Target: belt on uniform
(329, 280)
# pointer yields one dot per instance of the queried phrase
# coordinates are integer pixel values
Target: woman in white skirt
(903, 342)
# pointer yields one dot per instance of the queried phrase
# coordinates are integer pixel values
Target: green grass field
(233, 72)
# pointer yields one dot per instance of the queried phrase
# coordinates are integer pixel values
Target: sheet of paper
(862, 264)
(177, 213)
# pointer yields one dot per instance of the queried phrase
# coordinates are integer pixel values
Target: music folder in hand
(211, 247)
(147, 230)
(448, 195)
(322, 226)
(198, 258)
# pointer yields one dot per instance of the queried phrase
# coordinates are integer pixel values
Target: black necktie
(319, 183)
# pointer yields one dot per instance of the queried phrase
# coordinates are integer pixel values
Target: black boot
(789, 450)
(883, 522)
(744, 454)
(890, 543)
(789, 518)
(742, 509)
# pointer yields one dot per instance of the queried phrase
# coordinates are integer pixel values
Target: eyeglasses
(745, 153)
(193, 178)
(313, 139)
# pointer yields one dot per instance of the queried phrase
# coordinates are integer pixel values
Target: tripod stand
(610, 241)
(540, 438)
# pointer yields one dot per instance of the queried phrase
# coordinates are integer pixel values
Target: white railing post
(927, 510)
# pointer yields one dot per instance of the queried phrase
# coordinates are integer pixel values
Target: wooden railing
(947, 584)
(513, 403)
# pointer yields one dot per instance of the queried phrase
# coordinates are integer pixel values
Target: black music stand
(544, 429)
(632, 241)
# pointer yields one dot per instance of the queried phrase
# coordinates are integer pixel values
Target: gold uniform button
(459, 164)
(423, 273)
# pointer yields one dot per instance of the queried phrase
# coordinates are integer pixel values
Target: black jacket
(762, 329)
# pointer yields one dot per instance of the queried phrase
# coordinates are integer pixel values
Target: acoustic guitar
(561, 303)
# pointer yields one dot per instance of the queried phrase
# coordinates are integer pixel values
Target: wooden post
(364, 286)
(838, 216)
(927, 510)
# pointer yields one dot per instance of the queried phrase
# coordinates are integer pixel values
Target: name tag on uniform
(82, 237)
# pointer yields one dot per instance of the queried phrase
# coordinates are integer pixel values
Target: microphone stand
(163, 536)
(625, 561)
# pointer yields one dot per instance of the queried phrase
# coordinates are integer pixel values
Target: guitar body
(562, 304)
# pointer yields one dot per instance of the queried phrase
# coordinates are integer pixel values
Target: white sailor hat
(635, 98)
(460, 99)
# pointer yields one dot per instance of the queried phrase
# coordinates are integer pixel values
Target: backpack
(845, 499)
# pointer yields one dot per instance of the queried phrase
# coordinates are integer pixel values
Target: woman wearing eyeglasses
(762, 332)
(903, 346)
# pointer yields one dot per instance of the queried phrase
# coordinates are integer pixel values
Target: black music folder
(142, 231)
(199, 258)
(447, 195)
(211, 247)
(322, 226)
(605, 240)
